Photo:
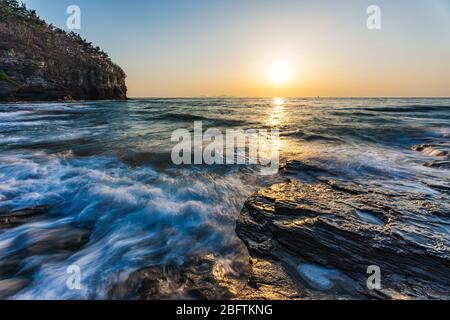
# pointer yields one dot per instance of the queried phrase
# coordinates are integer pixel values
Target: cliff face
(39, 62)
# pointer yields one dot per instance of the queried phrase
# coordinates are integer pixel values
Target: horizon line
(273, 97)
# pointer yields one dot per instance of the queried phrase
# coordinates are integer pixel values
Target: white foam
(368, 217)
(317, 276)
(163, 220)
(12, 115)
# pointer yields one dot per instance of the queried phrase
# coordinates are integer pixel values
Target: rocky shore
(319, 241)
(39, 62)
(335, 212)
(320, 238)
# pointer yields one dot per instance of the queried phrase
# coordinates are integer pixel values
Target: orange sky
(213, 48)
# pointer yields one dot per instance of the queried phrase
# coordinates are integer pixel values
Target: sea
(90, 188)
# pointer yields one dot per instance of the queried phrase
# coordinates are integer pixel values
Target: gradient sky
(177, 48)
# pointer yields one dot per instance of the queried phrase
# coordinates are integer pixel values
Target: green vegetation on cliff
(12, 9)
(47, 63)
(3, 76)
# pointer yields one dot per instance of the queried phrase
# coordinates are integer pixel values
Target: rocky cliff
(39, 62)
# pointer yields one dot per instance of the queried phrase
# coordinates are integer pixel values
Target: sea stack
(39, 62)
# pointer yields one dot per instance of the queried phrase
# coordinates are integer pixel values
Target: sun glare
(278, 101)
(280, 72)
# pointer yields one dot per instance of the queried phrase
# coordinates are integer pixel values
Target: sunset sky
(184, 48)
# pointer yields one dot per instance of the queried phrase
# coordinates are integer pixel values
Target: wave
(6, 116)
(99, 190)
(109, 219)
(183, 117)
(407, 109)
(311, 137)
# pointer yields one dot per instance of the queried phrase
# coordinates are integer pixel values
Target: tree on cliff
(12, 8)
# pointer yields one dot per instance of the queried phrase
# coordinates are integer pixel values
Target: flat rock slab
(321, 238)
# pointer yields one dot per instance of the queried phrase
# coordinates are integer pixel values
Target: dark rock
(322, 237)
(434, 149)
(42, 63)
(19, 217)
(443, 164)
(9, 287)
(440, 150)
(64, 239)
(38, 241)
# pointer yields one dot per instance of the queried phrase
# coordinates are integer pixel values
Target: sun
(280, 72)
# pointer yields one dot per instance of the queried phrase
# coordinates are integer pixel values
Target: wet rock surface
(46, 245)
(439, 151)
(434, 149)
(58, 243)
(317, 240)
(19, 217)
(441, 164)
(203, 278)
(39, 62)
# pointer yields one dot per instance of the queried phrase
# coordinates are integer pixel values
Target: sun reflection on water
(277, 113)
(278, 101)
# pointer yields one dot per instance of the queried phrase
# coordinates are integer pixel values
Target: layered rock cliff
(39, 62)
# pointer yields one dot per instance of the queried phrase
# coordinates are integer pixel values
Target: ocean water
(110, 200)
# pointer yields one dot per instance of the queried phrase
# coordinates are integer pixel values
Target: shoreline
(58, 101)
